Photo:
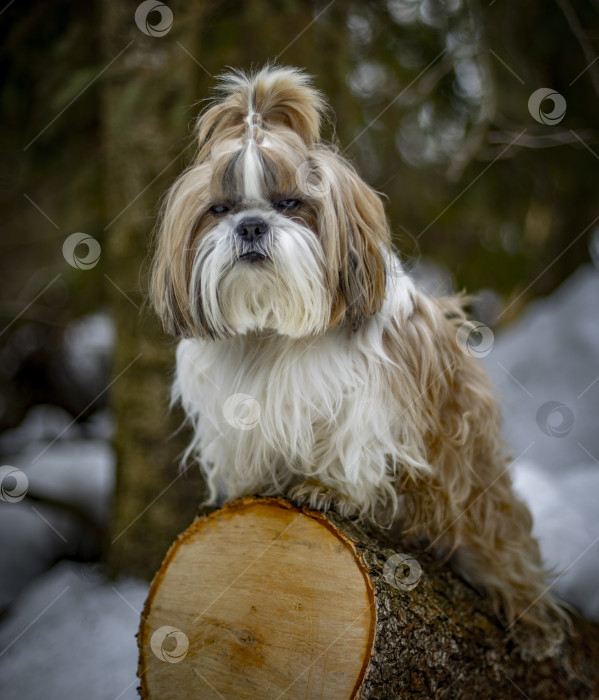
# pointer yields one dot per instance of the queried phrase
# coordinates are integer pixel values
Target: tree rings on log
(258, 600)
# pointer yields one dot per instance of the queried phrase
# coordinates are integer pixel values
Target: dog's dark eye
(287, 204)
(219, 209)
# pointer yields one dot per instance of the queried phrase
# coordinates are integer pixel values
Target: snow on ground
(546, 367)
(41, 423)
(566, 523)
(71, 634)
(72, 637)
(36, 533)
(551, 354)
(88, 346)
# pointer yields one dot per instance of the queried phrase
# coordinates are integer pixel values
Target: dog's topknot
(270, 97)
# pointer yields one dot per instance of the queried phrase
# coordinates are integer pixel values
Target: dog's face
(269, 230)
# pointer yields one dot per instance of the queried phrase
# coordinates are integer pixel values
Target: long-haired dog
(311, 365)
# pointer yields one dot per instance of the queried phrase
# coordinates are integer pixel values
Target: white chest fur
(271, 411)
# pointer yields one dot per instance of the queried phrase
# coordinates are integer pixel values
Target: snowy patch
(566, 523)
(546, 367)
(35, 533)
(42, 422)
(71, 636)
(551, 354)
(88, 346)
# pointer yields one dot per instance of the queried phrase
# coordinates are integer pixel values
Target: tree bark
(263, 599)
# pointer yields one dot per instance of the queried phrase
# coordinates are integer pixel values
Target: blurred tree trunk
(145, 132)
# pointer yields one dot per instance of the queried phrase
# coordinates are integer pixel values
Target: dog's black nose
(251, 229)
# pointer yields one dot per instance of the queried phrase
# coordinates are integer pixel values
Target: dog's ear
(171, 275)
(250, 104)
(354, 234)
(169, 280)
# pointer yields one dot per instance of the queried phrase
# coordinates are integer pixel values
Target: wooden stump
(265, 600)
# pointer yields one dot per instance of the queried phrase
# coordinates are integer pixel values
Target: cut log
(262, 599)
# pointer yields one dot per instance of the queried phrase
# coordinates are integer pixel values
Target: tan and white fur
(274, 265)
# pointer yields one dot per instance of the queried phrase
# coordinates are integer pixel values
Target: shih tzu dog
(311, 365)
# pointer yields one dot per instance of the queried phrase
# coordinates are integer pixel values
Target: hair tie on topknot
(272, 97)
(253, 123)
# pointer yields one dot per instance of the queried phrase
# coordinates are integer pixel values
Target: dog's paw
(319, 496)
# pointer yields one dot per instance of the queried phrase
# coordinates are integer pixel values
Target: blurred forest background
(431, 102)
